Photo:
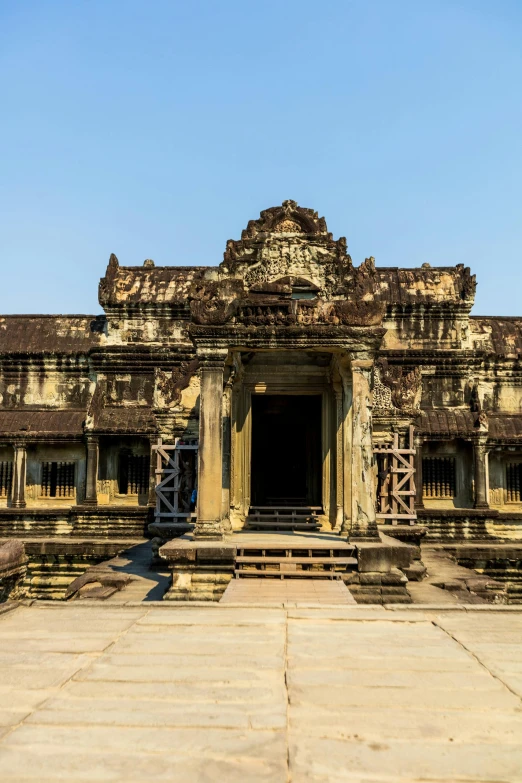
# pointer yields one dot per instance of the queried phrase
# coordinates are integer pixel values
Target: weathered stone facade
(182, 352)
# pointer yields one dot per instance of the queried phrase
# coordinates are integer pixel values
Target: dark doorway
(286, 450)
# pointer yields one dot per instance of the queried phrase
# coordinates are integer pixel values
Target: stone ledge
(383, 556)
(185, 550)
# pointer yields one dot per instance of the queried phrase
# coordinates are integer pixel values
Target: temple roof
(52, 334)
(425, 285)
(48, 422)
(147, 283)
(125, 420)
(460, 423)
(497, 335)
(285, 243)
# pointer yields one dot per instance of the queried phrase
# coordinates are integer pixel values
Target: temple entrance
(286, 450)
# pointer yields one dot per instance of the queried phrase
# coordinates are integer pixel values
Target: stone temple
(286, 412)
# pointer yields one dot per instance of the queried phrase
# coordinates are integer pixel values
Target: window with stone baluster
(6, 478)
(58, 479)
(514, 482)
(133, 473)
(439, 477)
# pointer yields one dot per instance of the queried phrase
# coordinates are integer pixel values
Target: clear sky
(158, 128)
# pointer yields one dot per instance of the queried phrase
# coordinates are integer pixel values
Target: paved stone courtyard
(93, 692)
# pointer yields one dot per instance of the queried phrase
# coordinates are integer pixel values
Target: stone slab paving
(250, 590)
(98, 692)
(147, 584)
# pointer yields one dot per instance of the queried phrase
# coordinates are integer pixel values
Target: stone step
(279, 524)
(285, 511)
(240, 573)
(298, 560)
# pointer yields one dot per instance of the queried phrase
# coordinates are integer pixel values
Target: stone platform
(201, 569)
(341, 694)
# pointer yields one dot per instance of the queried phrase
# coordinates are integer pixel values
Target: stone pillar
(364, 521)
(226, 454)
(210, 474)
(19, 475)
(91, 479)
(419, 501)
(152, 473)
(339, 455)
(345, 371)
(480, 471)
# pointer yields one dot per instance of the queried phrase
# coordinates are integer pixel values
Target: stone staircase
(291, 559)
(283, 518)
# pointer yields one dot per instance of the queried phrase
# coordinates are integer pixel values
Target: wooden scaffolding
(176, 480)
(396, 481)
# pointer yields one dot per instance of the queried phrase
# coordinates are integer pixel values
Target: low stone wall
(463, 524)
(76, 521)
(502, 562)
(13, 563)
(53, 565)
(456, 524)
(507, 526)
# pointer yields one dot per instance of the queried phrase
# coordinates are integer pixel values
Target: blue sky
(158, 129)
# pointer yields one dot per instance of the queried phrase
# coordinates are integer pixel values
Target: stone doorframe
(353, 352)
(279, 381)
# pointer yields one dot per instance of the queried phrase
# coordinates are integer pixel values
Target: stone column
(19, 475)
(339, 449)
(91, 479)
(345, 371)
(226, 454)
(364, 521)
(152, 472)
(480, 471)
(210, 474)
(419, 501)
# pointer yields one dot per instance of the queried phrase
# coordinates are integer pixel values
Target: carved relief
(404, 384)
(288, 226)
(474, 400)
(168, 387)
(358, 312)
(264, 253)
(214, 302)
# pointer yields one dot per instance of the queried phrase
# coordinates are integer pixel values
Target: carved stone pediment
(288, 218)
(285, 257)
(287, 241)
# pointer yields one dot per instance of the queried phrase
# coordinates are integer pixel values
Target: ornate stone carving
(106, 284)
(405, 385)
(287, 240)
(168, 388)
(474, 400)
(480, 418)
(358, 312)
(214, 303)
(468, 282)
(481, 422)
(288, 226)
(289, 213)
